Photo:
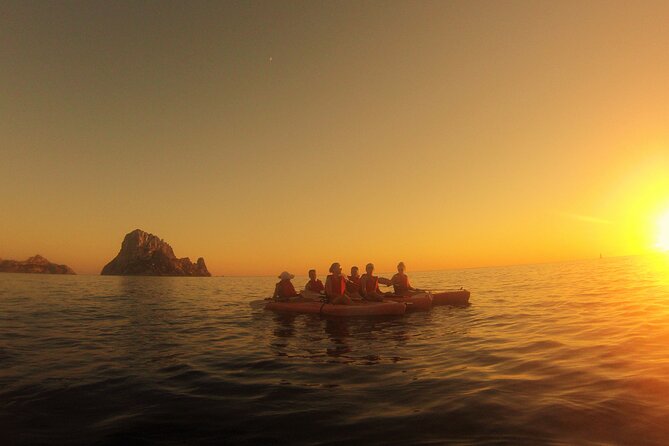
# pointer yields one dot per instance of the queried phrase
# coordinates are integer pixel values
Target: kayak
(354, 309)
(451, 297)
(295, 307)
(365, 309)
(417, 302)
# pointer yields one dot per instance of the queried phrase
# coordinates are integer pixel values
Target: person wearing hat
(284, 290)
(335, 286)
(401, 283)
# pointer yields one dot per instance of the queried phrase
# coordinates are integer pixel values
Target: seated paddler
(353, 283)
(284, 290)
(369, 284)
(400, 282)
(335, 286)
(314, 287)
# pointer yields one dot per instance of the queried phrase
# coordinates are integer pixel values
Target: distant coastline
(34, 265)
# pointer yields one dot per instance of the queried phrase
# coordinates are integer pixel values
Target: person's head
(286, 276)
(354, 271)
(312, 274)
(335, 268)
(401, 267)
(369, 268)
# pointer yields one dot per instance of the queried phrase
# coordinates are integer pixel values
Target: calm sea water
(570, 353)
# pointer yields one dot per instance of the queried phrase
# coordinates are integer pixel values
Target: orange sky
(266, 136)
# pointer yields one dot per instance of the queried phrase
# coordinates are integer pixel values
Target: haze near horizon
(270, 136)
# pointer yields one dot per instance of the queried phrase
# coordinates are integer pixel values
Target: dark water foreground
(572, 353)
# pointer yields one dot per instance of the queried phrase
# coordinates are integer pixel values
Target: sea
(561, 353)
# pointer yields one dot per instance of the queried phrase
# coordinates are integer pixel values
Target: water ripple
(566, 353)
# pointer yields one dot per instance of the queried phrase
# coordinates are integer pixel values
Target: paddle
(438, 292)
(260, 303)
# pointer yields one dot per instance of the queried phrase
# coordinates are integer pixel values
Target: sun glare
(662, 243)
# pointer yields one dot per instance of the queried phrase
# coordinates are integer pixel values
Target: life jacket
(286, 289)
(353, 287)
(338, 288)
(401, 284)
(371, 284)
(315, 285)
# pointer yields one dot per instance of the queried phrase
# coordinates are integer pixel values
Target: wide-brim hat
(286, 276)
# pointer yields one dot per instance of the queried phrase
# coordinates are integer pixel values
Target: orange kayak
(355, 309)
(295, 307)
(417, 302)
(451, 297)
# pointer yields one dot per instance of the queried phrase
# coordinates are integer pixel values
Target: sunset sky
(270, 136)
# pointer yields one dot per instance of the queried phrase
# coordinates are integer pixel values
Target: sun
(662, 243)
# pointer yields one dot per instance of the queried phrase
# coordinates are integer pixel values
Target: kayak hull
(365, 309)
(417, 302)
(451, 297)
(354, 309)
(295, 307)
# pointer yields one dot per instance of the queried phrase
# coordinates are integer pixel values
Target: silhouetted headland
(144, 254)
(35, 265)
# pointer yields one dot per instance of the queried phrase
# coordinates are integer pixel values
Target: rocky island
(36, 265)
(144, 254)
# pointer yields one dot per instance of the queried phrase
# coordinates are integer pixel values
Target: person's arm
(384, 281)
(328, 287)
(363, 285)
(295, 293)
(306, 287)
(393, 280)
(276, 291)
(409, 287)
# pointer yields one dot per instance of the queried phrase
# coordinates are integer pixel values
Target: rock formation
(144, 254)
(36, 264)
